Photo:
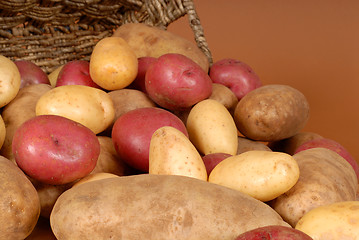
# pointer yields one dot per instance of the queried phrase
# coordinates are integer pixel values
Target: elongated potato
(89, 106)
(157, 207)
(263, 175)
(171, 152)
(211, 128)
(148, 41)
(19, 202)
(325, 178)
(10, 80)
(271, 113)
(334, 221)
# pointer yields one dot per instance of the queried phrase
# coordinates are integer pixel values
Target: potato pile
(148, 141)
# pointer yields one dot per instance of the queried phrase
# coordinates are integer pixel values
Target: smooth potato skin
(19, 202)
(157, 207)
(274, 233)
(325, 178)
(271, 113)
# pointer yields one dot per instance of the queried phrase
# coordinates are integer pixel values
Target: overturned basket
(53, 32)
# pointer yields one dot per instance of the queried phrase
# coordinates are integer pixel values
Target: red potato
(76, 72)
(332, 145)
(274, 232)
(139, 82)
(31, 73)
(176, 82)
(55, 150)
(211, 160)
(236, 75)
(132, 132)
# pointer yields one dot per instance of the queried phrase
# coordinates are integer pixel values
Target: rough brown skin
(245, 144)
(290, 145)
(225, 96)
(271, 113)
(154, 42)
(19, 202)
(20, 109)
(325, 177)
(157, 207)
(125, 100)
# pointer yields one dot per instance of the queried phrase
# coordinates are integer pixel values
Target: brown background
(310, 45)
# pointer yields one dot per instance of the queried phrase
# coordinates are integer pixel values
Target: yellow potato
(211, 128)
(336, 221)
(53, 75)
(89, 106)
(172, 153)
(113, 63)
(10, 80)
(2, 131)
(94, 177)
(263, 175)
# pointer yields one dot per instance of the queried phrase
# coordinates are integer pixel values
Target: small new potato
(10, 80)
(224, 95)
(211, 128)
(334, 221)
(89, 106)
(263, 175)
(113, 63)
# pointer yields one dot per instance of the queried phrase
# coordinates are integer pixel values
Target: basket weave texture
(53, 32)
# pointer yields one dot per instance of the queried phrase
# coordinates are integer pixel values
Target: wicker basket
(52, 32)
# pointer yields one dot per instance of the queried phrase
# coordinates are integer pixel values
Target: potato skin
(325, 178)
(151, 41)
(157, 207)
(271, 113)
(19, 202)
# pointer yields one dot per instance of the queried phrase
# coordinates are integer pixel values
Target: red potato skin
(211, 160)
(55, 150)
(176, 82)
(332, 145)
(236, 75)
(76, 72)
(31, 73)
(132, 132)
(139, 82)
(274, 233)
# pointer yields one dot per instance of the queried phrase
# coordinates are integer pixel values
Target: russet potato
(148, 41)
(148, 206)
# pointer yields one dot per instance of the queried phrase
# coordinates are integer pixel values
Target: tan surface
(310, 45)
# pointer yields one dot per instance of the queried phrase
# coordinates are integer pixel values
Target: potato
(245, 144)
(290, 145)
(211, 128)
(148, 41)
(274, 232)
(94, 177)
(157, 207)
(113, 63)
(325, 178)
(271, 113)
(109, 161)
(89, 106)
(19, 202)
(19, 110)
(125, 100)
(225, 96)
(10, 80)
(2, 131)
(171, 152)
(334, 221)
(53, 75)
(263, 175)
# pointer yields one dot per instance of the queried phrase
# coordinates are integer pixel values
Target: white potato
(89, 106)
(336, 221)
(263, 175)
(172, 153)
(10, 80)
(211, 128)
